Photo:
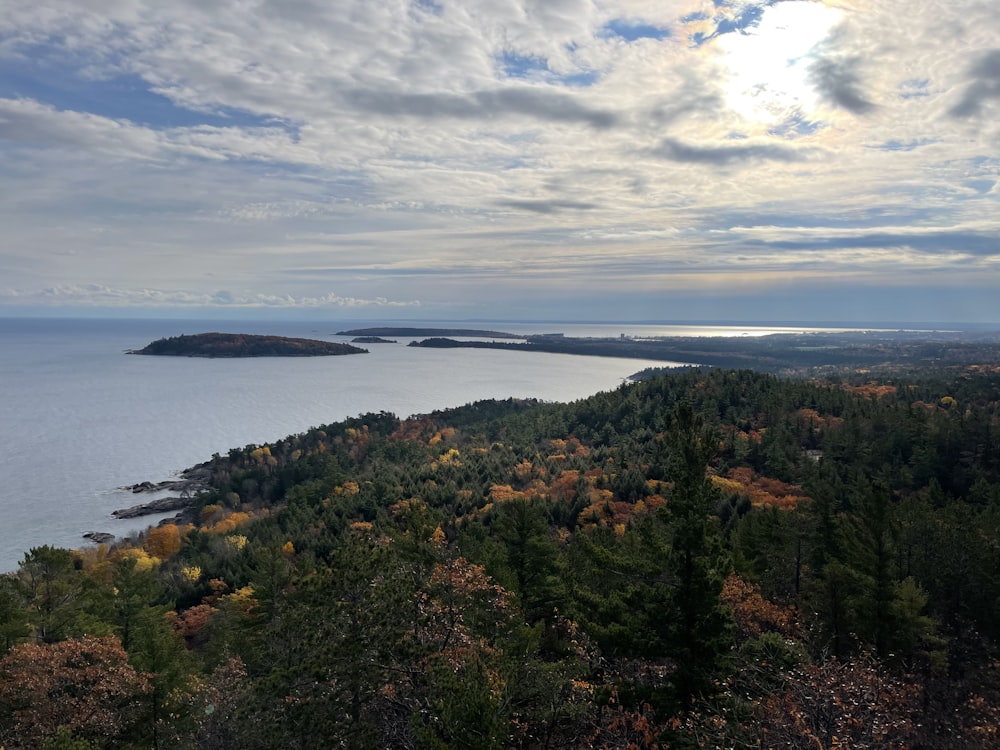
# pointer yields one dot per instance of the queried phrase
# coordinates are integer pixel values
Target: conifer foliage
(717, 559)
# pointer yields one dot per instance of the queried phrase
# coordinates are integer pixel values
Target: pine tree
(699, 625)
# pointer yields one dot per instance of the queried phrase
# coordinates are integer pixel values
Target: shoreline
(190, 483)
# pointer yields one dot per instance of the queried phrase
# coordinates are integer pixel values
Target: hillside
(720, 559)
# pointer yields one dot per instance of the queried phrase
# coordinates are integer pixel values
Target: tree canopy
(710, 559)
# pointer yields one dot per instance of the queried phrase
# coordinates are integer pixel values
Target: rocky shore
(188, 483)
(162, 505)
(99, 537)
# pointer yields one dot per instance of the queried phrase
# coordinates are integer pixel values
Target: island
(372, 340)
(244, 345)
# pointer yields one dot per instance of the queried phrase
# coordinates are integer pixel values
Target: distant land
(244, 345)
(782, 353)
(791, 353)
(391, 331)
(372, 340)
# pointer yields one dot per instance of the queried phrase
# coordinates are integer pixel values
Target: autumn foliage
(163, 541)
(753, 614)
(715, 560)
(85, 685)
(761, 490)
(833, 704)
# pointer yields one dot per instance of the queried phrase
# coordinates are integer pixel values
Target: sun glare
(769, 63)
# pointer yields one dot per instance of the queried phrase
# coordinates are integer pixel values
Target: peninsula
(393, 331)
(244, 345)
(791, 353)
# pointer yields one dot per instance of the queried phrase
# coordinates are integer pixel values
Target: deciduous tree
(84, 685)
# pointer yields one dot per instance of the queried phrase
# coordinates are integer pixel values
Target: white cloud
(96, 295)
(33, 124)
(392, 135)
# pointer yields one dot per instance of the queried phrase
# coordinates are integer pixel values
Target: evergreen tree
(55, 592)
(531, 558)
(699, 625)
(13, 615)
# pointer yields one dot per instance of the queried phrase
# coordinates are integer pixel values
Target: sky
(825, 160)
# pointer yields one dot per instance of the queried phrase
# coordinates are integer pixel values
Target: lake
(79, 418)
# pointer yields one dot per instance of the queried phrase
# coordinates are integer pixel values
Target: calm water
(79, 418)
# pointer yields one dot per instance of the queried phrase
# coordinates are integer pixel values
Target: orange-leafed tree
(753, 614)
(85, 686)
(163, 541)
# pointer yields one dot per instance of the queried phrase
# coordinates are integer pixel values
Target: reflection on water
(648, 330)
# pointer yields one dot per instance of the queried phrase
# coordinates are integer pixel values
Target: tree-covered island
(245, 345)
(372, 340)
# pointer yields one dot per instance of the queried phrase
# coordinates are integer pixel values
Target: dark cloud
(938, 241)
(684, 105)
(675, 150)
(544, 105)
(985, 75)
(694, 96)
(838, 81)
(547, 206)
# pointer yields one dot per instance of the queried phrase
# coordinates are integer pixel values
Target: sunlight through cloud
(768, 64)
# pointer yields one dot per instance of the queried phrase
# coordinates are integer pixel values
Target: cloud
(945, 242)
(721, 155)
(96, 295)
(36, 125)
(408, 147)
(534, 103)
(985, 86)
(31, 123)
(547, 206)
(839, 81)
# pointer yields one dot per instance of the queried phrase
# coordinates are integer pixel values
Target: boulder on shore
(194, 479)
(163, 505)
(99, 537)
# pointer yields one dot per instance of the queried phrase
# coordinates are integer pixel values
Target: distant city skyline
(725, 160)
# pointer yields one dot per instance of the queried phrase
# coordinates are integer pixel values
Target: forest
(703, 559)
(779, 353)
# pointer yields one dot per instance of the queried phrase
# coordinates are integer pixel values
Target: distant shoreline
(395, 331)
(784, 353)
